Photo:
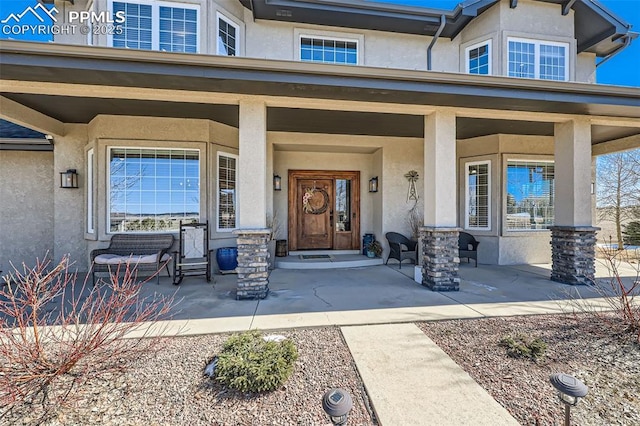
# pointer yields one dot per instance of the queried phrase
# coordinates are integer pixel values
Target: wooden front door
(324, 210)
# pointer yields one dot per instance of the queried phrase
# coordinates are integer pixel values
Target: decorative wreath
(309, 193)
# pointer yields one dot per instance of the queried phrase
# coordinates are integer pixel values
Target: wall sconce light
(277, 183)
(570, 390)
(373, 184)
(593, 188)
(337, 403)
(69, 179)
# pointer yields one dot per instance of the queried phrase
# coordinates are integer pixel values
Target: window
(537, 59)
(152, 189)
(90, 226)
(228, 34)
(331, 51)
(153, 26)
(227, 194)
(479, 58)
(478, 195)
(530, 192)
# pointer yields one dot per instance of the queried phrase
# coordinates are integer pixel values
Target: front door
(324, 209)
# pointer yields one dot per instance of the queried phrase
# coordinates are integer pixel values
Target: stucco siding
(530, 248)
(27, 182)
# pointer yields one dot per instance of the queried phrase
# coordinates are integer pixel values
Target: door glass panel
(343, 205)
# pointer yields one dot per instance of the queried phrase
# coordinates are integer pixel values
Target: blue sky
(622, 69)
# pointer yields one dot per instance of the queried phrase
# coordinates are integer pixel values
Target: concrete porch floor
(387, 293)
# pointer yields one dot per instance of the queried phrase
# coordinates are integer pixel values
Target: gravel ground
(169, 389)
(607, 362)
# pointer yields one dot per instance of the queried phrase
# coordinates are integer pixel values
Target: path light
(570, 390)
(337, 403)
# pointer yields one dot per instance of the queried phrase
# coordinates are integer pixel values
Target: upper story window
(152, 189)
(479, 58)
(478, 195)
(328, 50)
(169, 27)
(544, 60)
(228, 36)
(530, 195)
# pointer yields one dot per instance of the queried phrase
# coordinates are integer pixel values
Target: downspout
(627, 42)
(253, 13)
(443, 21)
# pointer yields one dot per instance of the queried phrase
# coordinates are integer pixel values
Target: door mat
(314, 256)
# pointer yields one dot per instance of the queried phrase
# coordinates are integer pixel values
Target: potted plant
(374, 249)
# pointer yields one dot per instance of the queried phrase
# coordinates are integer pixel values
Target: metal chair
(468, 247)
(193, 256)
(397, 242)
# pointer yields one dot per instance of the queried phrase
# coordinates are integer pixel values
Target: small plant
(249, 363)
(522, 346)
(375, 247)
(56, 335)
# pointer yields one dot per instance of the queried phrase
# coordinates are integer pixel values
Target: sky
(622, 70)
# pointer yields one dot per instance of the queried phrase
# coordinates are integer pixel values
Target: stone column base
(253, 266)
(573, 253)
(439, 258)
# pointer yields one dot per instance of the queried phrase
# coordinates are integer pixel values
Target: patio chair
(193, 256)
(468, 247)
(401, 248)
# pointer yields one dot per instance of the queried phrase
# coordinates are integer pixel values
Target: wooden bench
(143, 252)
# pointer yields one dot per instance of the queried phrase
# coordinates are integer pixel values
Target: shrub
(56, 335)
(524, 347)
(248, 363)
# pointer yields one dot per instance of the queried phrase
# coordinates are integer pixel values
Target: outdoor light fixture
(373, 184)
(69, 179)
(277, 183)
(570, 390)
(337, 403)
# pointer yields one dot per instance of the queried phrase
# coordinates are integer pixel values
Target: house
(184, 109)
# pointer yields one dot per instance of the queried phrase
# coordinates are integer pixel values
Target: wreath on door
(315, 201)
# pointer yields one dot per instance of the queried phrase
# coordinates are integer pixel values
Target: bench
(144, 252)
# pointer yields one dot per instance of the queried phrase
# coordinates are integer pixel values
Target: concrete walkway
(411, 381)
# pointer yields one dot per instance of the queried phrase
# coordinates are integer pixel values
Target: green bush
(631, 234)
(248, 363)
(523, 347)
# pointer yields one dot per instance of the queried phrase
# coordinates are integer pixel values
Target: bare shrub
(56, 335)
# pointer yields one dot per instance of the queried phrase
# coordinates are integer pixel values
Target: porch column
(573, 238)
(440, 234)
(252, 233)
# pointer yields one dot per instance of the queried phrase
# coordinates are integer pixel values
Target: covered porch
(266, 118)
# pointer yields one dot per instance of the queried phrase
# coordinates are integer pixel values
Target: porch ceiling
(71, 109)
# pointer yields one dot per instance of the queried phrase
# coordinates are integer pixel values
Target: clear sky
(623, 69)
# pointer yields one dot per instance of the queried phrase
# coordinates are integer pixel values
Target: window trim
(107, 175)
(526, 159)
(235, 195)
(488, 43)
(91, 228)
(331, 38)
(536, 65)
(219, 16)
(466, 198)
(155, 21)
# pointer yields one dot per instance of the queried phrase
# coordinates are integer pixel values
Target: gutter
(627, 43)
(443, 21)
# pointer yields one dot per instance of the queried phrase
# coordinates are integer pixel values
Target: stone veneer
(573, 254)
(440, 258)
(253, 266)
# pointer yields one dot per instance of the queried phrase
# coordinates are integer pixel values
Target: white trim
(235, 193)
(219, 16)
(91, 229)
(108, 180)
(537, 43)
(326, 37)
(487, 43)
(155, 19)
(466, 198)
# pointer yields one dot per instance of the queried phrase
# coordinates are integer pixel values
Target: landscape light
(337, 403)
(570, 390)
